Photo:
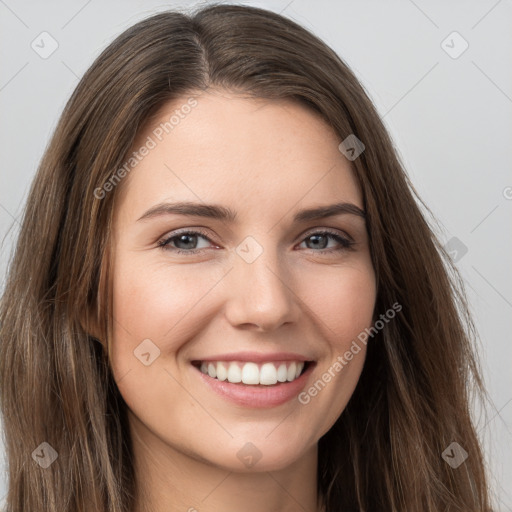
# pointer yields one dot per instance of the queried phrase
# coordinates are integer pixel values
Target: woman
(143, 374)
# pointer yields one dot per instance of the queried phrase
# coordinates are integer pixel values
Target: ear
(89, 318)
(89, 323)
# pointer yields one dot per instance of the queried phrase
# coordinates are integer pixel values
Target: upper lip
(257, 357)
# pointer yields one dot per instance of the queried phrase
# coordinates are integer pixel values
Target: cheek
(161, 303)
(344, 302)
(344, 306)
(157, 301)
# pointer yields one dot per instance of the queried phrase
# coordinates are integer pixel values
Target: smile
(255, 385)
(251, 373)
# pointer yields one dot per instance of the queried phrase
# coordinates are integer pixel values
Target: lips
(257, 357)
(255, 395)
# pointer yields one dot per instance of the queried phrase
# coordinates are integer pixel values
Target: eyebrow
(222, 213)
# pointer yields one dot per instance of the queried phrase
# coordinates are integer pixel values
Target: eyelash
(345, 243)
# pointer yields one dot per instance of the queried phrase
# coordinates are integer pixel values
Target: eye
(320, 238)
(185, 242)
(184, 238)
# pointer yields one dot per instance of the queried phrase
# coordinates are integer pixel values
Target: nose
(261, 294)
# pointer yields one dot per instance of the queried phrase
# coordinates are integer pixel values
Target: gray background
(451, 119)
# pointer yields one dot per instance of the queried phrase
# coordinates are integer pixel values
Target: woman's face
(259, 294)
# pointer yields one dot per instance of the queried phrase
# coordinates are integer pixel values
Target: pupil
(184, 237)
(312, 237)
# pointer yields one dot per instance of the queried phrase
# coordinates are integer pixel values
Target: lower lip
(259, 396)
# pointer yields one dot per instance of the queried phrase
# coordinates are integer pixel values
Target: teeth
(291, 372)
(234, 373)
(250, 373)
(282, 373)
(222, 372)
(266, 374)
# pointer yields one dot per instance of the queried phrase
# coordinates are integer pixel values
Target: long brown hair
(413, 398)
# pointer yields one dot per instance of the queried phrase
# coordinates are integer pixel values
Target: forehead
(253, 154)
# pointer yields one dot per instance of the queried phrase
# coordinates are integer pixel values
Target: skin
(265, 160)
